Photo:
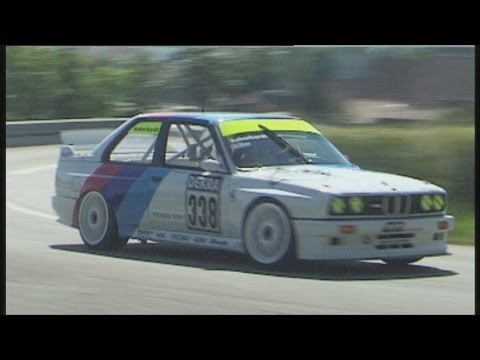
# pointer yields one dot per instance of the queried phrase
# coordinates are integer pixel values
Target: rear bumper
(372, 239)
(64, 206)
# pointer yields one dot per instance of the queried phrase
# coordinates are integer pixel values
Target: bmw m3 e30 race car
(269, 185)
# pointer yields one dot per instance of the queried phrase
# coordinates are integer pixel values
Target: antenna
(203, 104)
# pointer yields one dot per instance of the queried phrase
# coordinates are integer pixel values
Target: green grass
(464, 228)
(441, 154)
(459, 115)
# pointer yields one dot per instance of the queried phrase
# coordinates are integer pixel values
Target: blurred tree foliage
(44, 82)
(62, 82)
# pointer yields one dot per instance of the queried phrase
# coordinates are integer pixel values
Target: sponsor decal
(217, 242)
(180, 237)
(394, 226)
(234, 127)
(202, 202)
(160, 235)
(146, 128)
(204, 183)
(237, 141)
(241, 145)
(200, 239)
(168, 216)
(161, 215)
(186, 238)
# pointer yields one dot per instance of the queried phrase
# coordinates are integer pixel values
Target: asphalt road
(48, 271)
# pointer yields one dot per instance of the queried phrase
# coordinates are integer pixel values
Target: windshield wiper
(284, 144)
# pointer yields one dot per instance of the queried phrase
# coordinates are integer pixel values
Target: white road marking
(32, 170)
(30, 211)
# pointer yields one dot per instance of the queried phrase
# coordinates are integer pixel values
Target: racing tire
(267, 235)
(402, 261)
(97, 223)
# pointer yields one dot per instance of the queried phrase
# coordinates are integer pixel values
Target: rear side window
(138, 145)
(189, 145)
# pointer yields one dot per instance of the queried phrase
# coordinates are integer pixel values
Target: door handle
(157, 178)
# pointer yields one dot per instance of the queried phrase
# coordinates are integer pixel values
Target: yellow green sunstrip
(146, 128)
(235, 127)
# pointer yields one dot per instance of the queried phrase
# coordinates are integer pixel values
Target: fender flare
(268, 199)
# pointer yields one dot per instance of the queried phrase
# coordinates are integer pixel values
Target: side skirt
(209, 241)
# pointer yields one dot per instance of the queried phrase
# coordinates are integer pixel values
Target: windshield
(257, 149)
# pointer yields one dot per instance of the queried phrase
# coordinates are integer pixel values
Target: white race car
(269, 185)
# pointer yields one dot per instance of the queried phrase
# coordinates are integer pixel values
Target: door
(126, 176)
(188, 198)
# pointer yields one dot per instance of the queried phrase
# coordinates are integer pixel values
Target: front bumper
(372, 239)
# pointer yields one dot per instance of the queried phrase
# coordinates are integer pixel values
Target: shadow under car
(221, 260)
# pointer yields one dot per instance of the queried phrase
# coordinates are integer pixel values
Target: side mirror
(211, 166)
(350, 161)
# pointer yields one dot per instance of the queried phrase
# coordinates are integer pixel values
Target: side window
(138, 145)
(191, 146)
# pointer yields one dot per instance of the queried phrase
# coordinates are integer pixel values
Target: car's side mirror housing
(211, 166)
(350, 161)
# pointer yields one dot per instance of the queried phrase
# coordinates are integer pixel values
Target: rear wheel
(268, 234)
(97, 223)
(402, 261)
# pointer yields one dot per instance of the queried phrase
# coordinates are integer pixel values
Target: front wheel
(267, 234)
(402, 261)
(97, 223)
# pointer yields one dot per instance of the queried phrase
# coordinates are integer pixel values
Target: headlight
(338, 206)
(432, 202)
(438, 202)
(426, 202)
(356, 205)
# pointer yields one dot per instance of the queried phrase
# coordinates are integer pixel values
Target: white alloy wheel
(93, 218)
(97, 224)
(267, 233)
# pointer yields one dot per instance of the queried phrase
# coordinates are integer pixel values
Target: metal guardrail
(45, 132)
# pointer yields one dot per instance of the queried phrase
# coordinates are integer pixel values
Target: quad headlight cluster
(432, 202)
(347, 205)
(380, 205)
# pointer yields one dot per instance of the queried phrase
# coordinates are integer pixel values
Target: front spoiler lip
(378, 257)
(365, 218)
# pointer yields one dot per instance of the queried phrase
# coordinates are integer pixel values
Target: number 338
(202, 212)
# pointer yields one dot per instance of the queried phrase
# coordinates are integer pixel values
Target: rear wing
(71, 152)
(67, 151)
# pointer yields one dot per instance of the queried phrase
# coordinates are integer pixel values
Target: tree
(309, 68)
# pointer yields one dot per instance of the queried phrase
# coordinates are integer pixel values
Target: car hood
(339, 180)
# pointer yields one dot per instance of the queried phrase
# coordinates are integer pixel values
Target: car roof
(216, 117)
